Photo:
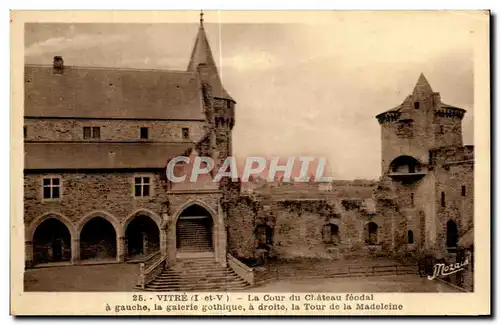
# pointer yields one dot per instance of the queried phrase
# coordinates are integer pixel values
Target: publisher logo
(442, 269)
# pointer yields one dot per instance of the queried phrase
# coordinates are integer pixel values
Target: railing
(151, 268)
(243, 271)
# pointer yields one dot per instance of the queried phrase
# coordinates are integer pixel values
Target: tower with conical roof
(421, 123)
(420, 137)
(219, 105)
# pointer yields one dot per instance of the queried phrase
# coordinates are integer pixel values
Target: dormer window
(144, 133)
(91, 132)
(416, 105)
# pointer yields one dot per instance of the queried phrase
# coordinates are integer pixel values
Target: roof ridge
(79, 67)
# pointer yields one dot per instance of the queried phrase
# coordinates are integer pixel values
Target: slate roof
(421, 87)
(202, 54)
(101, 155)
(112, 93)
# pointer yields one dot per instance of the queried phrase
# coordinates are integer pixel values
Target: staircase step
(197, 274)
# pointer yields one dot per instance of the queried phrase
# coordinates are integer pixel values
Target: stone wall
(241, 216)
(300, 228)
(83, 193)
(450, 179)
(111, 130)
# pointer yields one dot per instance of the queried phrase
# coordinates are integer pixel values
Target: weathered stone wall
(111, 130)
(241, 216)
(83, 193)
(413, 138)
(450, 179)
(448, 131)
(299, 228)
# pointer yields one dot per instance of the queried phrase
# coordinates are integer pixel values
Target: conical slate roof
(422, 87)
(202, 54)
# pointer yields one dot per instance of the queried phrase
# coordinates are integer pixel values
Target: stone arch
(145, 212)
(103, 240)
(30, 230)
(103, 214)
(371, 233)
(49, 238)
(142, 232)
(217, 231)
(406, 164)
(192, 202)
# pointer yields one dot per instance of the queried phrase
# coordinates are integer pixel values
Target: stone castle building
(97, 142)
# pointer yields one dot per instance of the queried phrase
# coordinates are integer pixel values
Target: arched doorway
(98, 240)
(371, 233)
(194, 230)
(264, 237)
(451, 235)
(331, 234)
(51, 242)
(410, 237)
(142, 236)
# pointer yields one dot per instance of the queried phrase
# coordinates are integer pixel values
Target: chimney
(58, 64)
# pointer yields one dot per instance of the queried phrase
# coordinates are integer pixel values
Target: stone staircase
(193, 237)
(197, 274)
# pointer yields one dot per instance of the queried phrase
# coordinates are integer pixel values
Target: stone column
(120, 249)
(220, 253)
(170, 241)
(163, 242)
(223, 245)
(216, 240)
(75, 250)
(29, 258)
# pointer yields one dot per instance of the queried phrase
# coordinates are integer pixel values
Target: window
(142, 186)
(412, 200)
(91, 132)
(185, 133)
(410, 237)
(96, 132)
(144, 133)
(416, 105)
(51, 188)
(463, 190)
(25, 130)
(443, 200)
(331, 234)
(441, 129)
(86, 132)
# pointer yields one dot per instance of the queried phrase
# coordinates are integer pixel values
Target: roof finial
(201, 17)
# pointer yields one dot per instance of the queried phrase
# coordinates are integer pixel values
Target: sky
(302, 88)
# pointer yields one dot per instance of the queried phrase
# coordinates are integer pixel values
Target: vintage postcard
(250, 163)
